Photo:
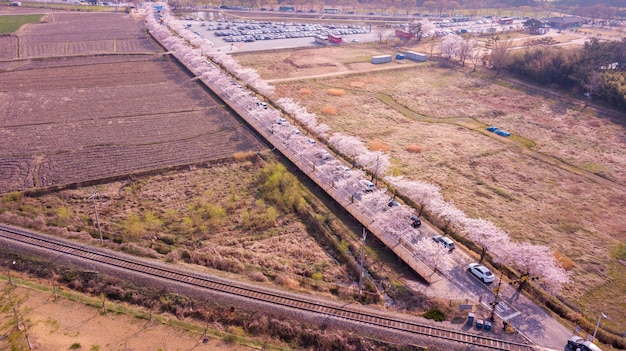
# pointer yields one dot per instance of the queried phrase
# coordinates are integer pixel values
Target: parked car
(447, 242)
(415, 221)
(367, 185)
(481, 272)
(577, 343)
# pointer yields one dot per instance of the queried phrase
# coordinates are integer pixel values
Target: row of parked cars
(250, 30)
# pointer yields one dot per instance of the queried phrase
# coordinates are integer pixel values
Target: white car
(481, 272)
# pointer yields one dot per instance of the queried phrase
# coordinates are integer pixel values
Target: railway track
(283, 299)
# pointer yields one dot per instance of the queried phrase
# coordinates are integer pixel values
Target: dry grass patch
(414, 148)
(379, 145)
(286, 281)
(565, 261)
(336, 92)
(329, 110)
(244, 155)
(305, 91)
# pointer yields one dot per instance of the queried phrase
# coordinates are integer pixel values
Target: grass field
(554, 182)
(10, 24)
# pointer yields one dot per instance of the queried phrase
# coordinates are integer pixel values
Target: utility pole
(95, 208)
(362, 257)
(495, 301)
(9, 272)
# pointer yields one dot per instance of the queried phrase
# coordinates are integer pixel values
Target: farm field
(557, 181)
(78, 118)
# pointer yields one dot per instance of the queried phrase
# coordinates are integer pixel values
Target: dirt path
(404, 65)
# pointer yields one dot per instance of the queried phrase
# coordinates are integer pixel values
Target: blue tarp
(503, 133)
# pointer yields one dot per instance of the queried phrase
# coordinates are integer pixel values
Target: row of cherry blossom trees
(198, 54)
(528, 259)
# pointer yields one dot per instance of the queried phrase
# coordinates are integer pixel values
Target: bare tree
(500, 50)
(466, 47)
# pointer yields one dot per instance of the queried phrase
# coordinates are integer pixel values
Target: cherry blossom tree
(536, 262)
(375, 201)
(418, 191)
(348, 145)
(450, 45)
(448, 213)
(377, 162)
(433, 254)
(395, 220)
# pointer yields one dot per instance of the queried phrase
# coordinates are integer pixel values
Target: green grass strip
(10, 24)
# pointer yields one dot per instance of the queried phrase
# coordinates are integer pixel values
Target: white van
(449, 244)
(367, 185)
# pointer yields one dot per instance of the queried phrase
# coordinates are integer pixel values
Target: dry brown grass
(244, 155)
(286, 281)
(329, 110)
(378, 145)
(336, 92)
(414, 148)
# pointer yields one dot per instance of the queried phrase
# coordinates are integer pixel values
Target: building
(565, 22)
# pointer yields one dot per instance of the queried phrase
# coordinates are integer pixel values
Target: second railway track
(257, 294)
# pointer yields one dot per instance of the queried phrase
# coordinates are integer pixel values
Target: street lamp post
(602, 315)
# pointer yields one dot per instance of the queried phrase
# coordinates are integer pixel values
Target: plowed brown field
(80, 118)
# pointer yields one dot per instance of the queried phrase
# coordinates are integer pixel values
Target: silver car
(481, 272)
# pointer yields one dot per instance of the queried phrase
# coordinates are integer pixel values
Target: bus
(333, 38)
(505, 20)
(331, 10)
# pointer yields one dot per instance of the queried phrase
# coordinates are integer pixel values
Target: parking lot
(251, 35)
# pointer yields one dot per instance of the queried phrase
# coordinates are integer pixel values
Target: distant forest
(605, 9)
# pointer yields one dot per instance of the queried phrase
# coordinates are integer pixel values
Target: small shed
(381, 59)
(416, 56)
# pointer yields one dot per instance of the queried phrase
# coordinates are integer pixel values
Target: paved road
(529, 319)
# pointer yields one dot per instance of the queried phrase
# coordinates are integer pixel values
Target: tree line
(597, 70)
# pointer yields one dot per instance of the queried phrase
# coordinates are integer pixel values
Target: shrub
(13, 196)
(435, 314)
(75, 346)
(244, 155)
(318, 276)
(414, 148)
(566, 262)
(329, 110)
(336, 92)
(378, 145)
(286, 281)
(258, 276)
